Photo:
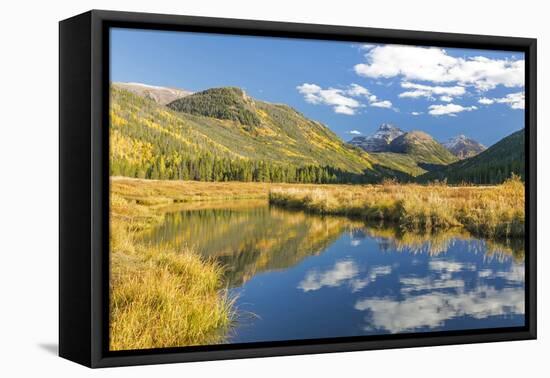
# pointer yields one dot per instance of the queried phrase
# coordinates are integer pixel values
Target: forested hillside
(237, 139)
(492, 166)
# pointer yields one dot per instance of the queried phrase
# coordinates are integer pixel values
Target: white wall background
(29, 186)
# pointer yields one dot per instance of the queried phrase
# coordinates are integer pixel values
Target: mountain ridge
(224, 134)
(380, 140)
(159, 94)
(272, 143)
(463, 147)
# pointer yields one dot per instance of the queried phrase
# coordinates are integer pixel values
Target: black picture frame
(84, 187)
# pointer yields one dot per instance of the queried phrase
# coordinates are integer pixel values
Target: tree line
(206, 167)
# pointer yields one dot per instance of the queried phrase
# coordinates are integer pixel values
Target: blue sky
(350, 87)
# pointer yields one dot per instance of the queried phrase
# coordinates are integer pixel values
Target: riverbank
(163, 297)
(491, 211)
(160, 298)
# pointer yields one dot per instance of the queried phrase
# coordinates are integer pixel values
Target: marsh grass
(160, 297)
(492, 211)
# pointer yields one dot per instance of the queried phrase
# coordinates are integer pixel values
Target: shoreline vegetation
(164, 298)
(161, 298)
(486, 211)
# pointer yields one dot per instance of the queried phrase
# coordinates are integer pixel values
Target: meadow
(164, 296)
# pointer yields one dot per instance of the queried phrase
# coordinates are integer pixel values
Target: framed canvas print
(233, 188)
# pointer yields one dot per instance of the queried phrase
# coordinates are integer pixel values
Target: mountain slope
(379, 141)
(414, 153)
(492, 166)
(423, 147)
(463, 147)
(225, 135)
(161, 95)
(223, 103)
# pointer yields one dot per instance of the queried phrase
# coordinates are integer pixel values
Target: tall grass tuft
(161, 298)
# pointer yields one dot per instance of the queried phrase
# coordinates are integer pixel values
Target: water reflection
(307, 276)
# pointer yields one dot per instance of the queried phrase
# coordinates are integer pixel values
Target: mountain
(414, 153)
(161, 95)
(223, 134)
(463, 147)
(379, 141)
(492, 166)
(422, 146)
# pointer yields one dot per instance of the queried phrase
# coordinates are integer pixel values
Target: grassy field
(492, 211)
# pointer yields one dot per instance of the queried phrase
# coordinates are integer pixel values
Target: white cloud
(343, 101)
(432, 300)
(354, 132)
(382, 104)
(357, 90)
(513, 100)
(336, 98)
(515, 274)
(341, 273)
(414, 284)
(416, 113)
(366, 46)
(486, 101)
(433, 309)
(434, 64)
(446, 98)
(344, 272)
(449, 266)
(449, 109)
(421, 90)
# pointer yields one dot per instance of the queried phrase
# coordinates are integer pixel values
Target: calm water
(300, 276)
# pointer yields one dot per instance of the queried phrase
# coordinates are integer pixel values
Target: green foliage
(222, 103)
(493, 166)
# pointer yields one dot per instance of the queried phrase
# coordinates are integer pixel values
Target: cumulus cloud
(433, 309)
(449, 109)
(343, 101)
(449, 266)
(371, 276)
(432, 300)
(513, 100)
(435, 65)
(420, 90)
(486, 101)
(416, 113)
(336, 98)
(381, 104)
(343, 272)
(354, 132)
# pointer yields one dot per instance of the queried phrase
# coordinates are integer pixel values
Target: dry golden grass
(492, 211)
(161, 298)
(166, 192)
(159, 193)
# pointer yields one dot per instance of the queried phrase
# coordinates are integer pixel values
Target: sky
(350, 87)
